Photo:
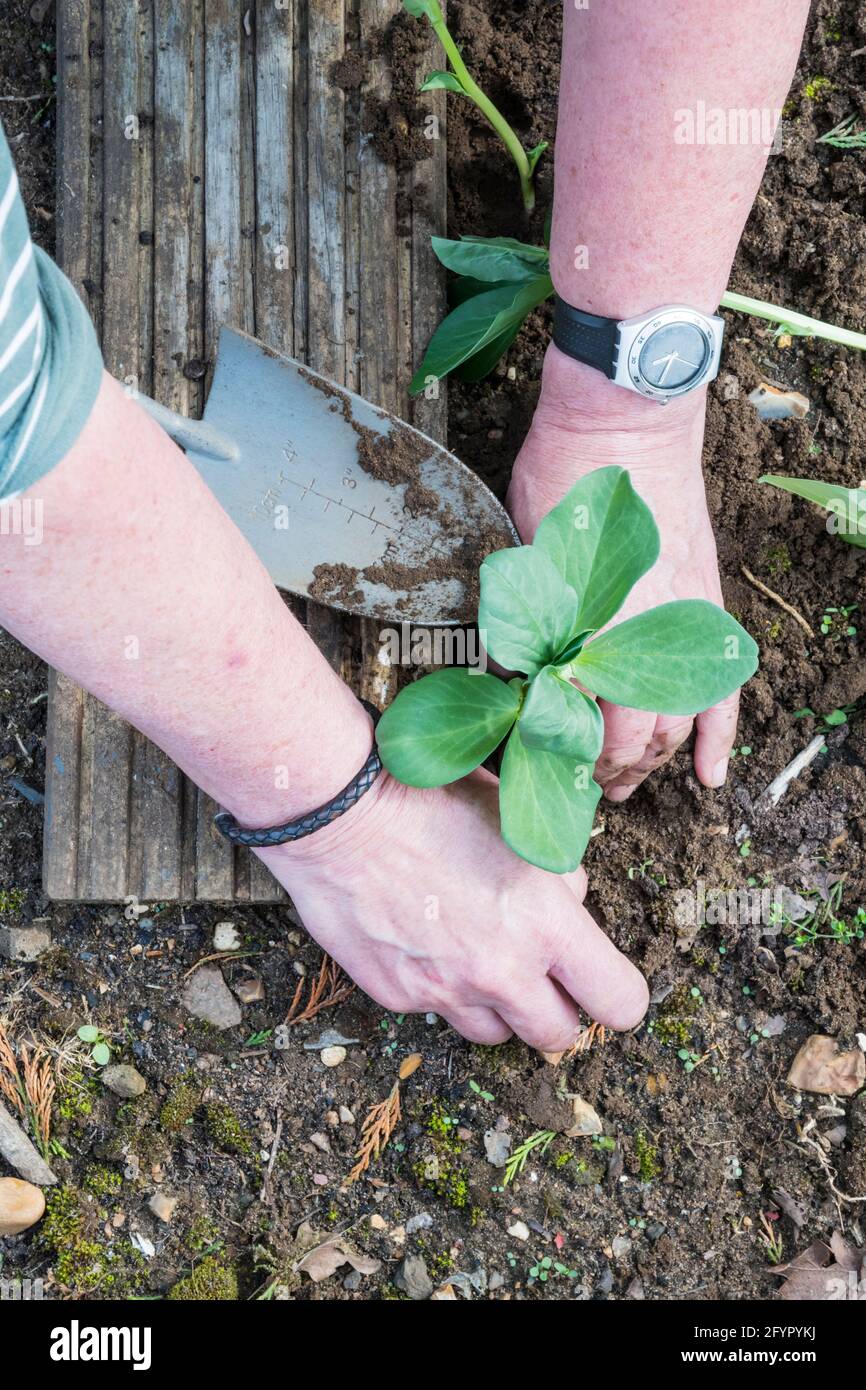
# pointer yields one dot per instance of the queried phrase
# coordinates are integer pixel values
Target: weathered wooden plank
(75, 252)
(262, 204)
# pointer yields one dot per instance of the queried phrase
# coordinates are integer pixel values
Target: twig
(326, 990)
(380, 1121)
(777, 599)
(220, 955)
(779, 785)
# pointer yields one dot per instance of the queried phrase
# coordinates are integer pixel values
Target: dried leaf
(409, 1065)
(819, 1067)
(326, 1259)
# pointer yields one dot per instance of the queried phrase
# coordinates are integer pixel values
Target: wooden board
(210, 171)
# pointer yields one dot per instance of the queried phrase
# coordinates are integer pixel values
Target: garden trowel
(343, 502)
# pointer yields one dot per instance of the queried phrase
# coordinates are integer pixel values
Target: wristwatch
(662, 354)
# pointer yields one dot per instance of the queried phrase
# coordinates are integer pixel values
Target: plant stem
(813, 328)
(485, 105)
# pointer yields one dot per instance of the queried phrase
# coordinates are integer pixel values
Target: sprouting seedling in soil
(845, 135)
(541, 607)
(478, 1091)
(835, 621)
(458, 79)
(771, 1239)
(540, 1140)
(100, 1049)
(500, 281)
(824, 923)
(846, 505)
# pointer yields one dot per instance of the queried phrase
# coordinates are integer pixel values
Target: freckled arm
(144, 591)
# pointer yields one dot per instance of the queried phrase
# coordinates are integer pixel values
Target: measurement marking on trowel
(270, 501)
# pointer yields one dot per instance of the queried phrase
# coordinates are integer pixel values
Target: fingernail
(619, 793)
(719, 773)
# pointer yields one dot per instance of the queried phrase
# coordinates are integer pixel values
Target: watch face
(673, 356)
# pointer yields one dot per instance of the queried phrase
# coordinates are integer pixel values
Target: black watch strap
(586, 337)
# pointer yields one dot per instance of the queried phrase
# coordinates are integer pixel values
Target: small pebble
(225, 937)
(162, 1206)
(519, 1230)
(332, 1056)
(346, 1116)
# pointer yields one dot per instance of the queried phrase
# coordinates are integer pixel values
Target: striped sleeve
(50, 363)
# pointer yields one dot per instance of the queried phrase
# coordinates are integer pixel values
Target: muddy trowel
(343, 502)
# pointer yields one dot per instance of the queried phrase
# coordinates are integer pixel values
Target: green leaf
(491, 259)
(680, 658)
(546, 806)
(88, 1033)
(477, 321)
(559, 718)
(847, 505)
(443, 726)
(602, 538)
(535, 154)
(527, 612)
(419, 8)
(480, 364)
(437, 80)
(101, 1054)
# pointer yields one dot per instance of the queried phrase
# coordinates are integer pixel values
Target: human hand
(416, 896)
(584, 422)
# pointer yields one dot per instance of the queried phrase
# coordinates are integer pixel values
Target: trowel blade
(344, 503)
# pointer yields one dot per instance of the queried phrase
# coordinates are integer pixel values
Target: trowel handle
(191, 434)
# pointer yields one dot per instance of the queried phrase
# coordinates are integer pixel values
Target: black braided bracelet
(313, 820)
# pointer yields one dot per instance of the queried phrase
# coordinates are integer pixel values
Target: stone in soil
(333, 1056)
(25, 943)
(207, 996)
(226, 937)
(586, 1121)
(21, 1206)
(250, 991)
(163, 1206)
(497, 1147)
(821, 1068)
(412, 1278)
(124, 1081)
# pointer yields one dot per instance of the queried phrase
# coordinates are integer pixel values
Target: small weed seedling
(100, 1048)
(540, 606)
(824, 923)
(845, 135)
(546, 1268)
(458, 79)
(476, 1089)
(541, 1140)
(771, 1239)
(835, 622)
(827, 721)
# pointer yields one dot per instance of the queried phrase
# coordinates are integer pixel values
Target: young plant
(500, 281)
(846, 505)
(100, 1050)
(458, 79)
(845, 135)
(541, 606)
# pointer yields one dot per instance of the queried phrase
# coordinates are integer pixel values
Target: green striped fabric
(50, 363)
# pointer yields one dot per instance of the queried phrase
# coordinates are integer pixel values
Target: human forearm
(144, 592)
(660, 216)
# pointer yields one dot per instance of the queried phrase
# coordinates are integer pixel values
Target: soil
(667, 1204)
